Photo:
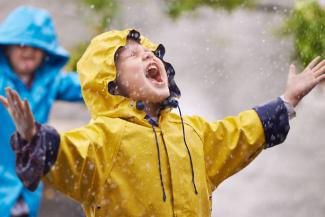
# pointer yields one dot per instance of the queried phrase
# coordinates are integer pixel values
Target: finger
(13, 102)
(10, 102)
(320, 71)
(18, 101)
(4, 102)
(12, 108)
(321, 78)
(319, 65)
(313, 63)
(8, 91)
(15, 111)
(28, 112)
(292, 71)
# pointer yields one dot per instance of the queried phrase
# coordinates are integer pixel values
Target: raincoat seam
(211, 186)
(190, 125)
(88, 196)
(116, 150)
(80, 180)
(90, 200)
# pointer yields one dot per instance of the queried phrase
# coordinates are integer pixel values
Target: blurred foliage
(177, 7)
(307, 25)
(105, 11)
(75, 55)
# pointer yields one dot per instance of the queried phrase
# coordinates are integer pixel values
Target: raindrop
(148, 166)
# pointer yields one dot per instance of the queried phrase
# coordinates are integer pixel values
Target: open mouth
(153, 73)
(28, 61)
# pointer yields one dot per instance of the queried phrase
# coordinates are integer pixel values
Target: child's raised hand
(21, 114)
(299, 85)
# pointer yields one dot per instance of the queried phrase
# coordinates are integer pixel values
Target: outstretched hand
(21, 114)
(299, 85)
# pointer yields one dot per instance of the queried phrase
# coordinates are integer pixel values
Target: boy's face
(24, 60)
(140, 74)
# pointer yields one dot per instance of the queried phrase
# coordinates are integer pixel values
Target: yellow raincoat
(111, 167)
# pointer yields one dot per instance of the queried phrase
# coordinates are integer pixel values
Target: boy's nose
(29, 50)
(147, 55)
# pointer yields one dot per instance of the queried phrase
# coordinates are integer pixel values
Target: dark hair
(117, 53)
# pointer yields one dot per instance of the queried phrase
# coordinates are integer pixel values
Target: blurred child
(136, 157)
(30, 63)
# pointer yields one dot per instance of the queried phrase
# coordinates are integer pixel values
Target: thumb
(4, 102)
(292, 71)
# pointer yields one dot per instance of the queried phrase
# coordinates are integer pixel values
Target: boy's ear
(112, 87)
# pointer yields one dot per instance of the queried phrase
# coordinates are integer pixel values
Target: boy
(135, 157)
(30, 63)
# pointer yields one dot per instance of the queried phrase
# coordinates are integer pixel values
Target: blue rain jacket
(31, 27)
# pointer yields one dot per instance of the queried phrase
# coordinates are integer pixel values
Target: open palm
(21, 114)
(299, 85)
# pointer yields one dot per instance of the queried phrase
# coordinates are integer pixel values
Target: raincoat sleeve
(75, 162)
(231, 144)
(69, 88)
(84, 160)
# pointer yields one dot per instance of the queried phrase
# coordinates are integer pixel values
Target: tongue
(154, 74)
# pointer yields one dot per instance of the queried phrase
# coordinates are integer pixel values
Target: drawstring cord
(188, 150)
(152, 122)
(159, 164)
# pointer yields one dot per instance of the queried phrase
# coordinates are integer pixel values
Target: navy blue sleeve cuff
(35, 158)
(275, 120)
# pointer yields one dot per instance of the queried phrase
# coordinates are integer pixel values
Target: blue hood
(33, 27)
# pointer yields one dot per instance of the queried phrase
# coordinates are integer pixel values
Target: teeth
(153, 72)
(152, 69)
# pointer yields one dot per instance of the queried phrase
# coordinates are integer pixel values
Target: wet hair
(117, 54)
(5, 49)
(134, 36)
(159, 53)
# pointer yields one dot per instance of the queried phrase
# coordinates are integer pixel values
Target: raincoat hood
(33, 27)
(97, 73)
